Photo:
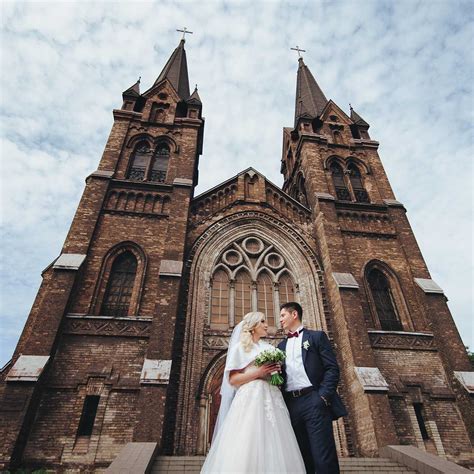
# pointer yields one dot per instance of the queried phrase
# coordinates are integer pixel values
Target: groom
(311, 377)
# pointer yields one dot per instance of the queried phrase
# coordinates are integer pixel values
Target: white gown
(256, 435)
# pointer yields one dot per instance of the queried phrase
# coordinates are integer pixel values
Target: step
(192, 464)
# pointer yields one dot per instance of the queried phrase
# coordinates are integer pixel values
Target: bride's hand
(266, 369)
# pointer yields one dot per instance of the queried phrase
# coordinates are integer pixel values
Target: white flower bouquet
(271, 356)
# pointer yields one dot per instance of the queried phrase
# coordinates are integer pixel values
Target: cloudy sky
(406, 67)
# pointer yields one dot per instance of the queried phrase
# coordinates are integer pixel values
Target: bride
(253, 432)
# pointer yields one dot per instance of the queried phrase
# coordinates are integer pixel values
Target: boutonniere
(306, 345)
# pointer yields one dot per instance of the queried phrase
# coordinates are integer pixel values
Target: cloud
(407, 68)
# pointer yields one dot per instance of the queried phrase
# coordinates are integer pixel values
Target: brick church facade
(126, 339)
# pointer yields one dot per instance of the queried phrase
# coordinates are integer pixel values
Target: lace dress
(256, 436)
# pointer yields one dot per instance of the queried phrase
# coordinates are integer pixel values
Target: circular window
(252, 245)
(232, 258)
(162, 96)
(274, 261)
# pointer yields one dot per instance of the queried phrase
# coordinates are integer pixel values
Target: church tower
(91, 370)
(405, 370)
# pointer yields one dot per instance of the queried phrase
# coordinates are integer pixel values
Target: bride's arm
(240, 377)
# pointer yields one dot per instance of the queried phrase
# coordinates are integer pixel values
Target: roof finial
(185, 31)
(196, 87)
(139, 79)
(350, 106)
(299, 50)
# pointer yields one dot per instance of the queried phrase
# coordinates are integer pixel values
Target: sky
(407, 67)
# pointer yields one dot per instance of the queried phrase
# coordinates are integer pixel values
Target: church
(127, 337)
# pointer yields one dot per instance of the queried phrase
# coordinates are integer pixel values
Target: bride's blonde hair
(250, 320)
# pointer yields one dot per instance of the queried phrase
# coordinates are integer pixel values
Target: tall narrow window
(356, 181)
(140, 160)
(286, 289)
(421, 421)
(243, 295)
(89, 412)
(220, 298)
(342, 192)
(160, 163)
(120, 285)
(265, 297)
(383, 300)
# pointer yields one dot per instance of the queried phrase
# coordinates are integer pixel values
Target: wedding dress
(256, 435)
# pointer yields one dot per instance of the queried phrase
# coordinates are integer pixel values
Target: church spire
(176, 71)
(310, 99)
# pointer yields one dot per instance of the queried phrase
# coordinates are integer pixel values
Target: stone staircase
(192, 465)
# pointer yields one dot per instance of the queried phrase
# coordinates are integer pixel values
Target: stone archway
(204, 345)
(210, 400)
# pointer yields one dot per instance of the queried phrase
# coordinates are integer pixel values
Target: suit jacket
(321, 368)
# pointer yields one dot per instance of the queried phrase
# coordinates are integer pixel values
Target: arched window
(243, 296)
(140, 160)
(301, 191)
(120, 285)
(355, 177)
(265, 297)
(286, 289)
(160, 163)
(384, 301)
(342, 192)
(337, 136)
(220, 298)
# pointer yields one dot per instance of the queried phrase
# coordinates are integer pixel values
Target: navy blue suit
(310, 416)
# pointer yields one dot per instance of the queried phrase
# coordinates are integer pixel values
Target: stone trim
(466, 379)
(393, 203)
(101, 174)
(371, 379)
(429, 286)
(69, 261)
(183, 182)
(325, 196)
(155, 371)
(27, 368)
(173, 268)
(345, 280)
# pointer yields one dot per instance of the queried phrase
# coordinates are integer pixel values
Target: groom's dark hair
(293, 306)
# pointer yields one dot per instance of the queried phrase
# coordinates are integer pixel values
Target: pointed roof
(310, 99)
(133, 91)
(357, 119)
(176, 71)
(195, 97)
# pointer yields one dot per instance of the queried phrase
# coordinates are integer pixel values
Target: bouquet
(271, 355)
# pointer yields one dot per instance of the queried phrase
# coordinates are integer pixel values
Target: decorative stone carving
(402, 340)
(428, 285)
(69, 261)
(345, 280)
(172, 268)
(371, 379)
(216, 342)
(107, 326)
(155, 371)
(467, 380)
(27, 368)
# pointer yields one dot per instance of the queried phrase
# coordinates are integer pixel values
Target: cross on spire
(299, 50)
(185, 31)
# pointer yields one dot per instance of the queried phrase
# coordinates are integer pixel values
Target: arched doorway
(214, 400)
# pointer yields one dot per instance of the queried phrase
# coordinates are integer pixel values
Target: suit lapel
(304, 352)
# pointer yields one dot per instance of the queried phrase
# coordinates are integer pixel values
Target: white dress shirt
(296, 377)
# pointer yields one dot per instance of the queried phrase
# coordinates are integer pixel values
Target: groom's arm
(330, 380)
